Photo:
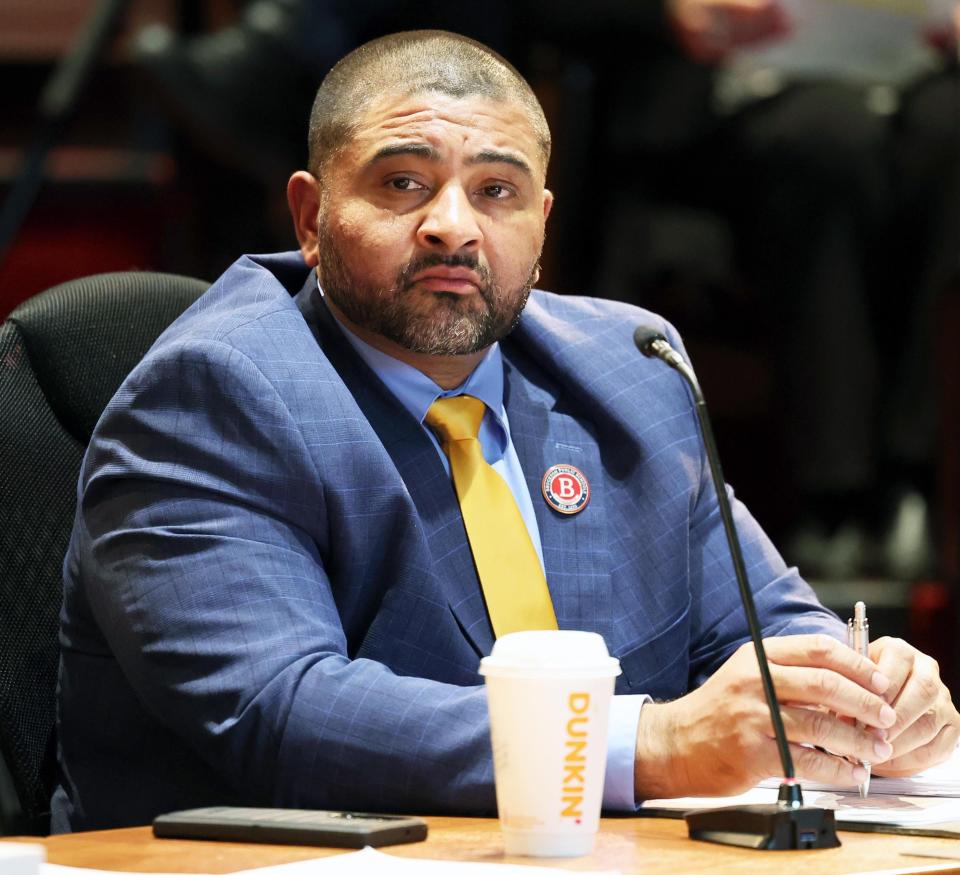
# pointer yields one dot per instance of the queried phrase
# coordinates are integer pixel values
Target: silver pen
(858, 637)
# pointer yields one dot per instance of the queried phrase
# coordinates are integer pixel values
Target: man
(271, 594)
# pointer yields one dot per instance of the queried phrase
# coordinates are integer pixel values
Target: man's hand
(718, 740)
(928, 725)
(709, 29)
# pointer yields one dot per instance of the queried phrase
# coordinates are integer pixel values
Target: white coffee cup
(549, 698)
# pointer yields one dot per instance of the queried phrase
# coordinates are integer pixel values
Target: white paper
(897, 810)
(848, 806)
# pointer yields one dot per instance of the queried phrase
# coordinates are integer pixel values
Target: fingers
(927, 726)
(822, 688)
(824, 768)
(894, 659)
(919, 705)
(822, 651)
(824, 729)
(921, 758)
(921, 700)
(922, 732)
(817, 670)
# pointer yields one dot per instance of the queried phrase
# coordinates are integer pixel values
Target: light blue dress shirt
(416, 392)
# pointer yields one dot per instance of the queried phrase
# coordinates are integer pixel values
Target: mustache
(435, 259)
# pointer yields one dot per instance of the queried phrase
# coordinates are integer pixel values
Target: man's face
(431, 222)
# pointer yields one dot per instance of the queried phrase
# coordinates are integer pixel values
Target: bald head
(411, 63)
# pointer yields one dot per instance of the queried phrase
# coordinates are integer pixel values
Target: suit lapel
(546, 431)
(419, 468)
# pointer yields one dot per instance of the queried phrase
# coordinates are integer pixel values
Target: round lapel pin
(565, 489)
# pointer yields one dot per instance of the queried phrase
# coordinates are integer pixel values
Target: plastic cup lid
(550, 652)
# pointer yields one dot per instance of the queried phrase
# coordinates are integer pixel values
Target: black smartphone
(292, 826)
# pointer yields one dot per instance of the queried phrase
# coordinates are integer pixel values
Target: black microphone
(787, 824)
(653, 344)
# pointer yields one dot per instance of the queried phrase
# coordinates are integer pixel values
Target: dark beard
(453, 325)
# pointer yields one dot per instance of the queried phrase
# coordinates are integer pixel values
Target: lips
(448, 279)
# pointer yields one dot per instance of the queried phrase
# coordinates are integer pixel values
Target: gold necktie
(510, 573)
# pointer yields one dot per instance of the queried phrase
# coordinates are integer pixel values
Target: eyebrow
(429, 153)
(494, 157)
(419, 150)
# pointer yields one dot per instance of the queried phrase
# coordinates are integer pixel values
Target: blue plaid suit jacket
(269, 594)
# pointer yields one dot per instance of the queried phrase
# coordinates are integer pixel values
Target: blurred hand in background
(709, 29)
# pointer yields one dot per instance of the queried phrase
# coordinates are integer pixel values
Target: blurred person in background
(828, 135)
(849, 114)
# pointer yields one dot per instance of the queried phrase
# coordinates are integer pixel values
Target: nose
(450, 222)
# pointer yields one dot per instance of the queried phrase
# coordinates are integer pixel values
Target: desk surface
(630, 844)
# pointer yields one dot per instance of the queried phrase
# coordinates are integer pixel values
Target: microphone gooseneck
(789, 824)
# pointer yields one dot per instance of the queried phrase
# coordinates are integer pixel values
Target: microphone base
(772, 827)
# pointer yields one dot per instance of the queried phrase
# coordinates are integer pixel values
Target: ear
(547, 203)
(303, 198)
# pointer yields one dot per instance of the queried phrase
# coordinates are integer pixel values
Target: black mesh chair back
(63, 354)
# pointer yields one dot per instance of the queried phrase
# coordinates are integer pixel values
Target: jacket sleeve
(206, 532)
